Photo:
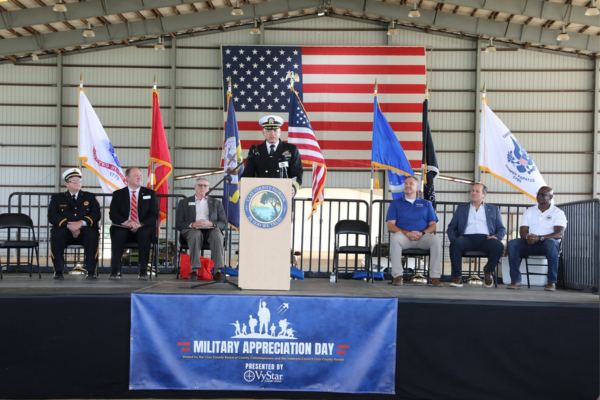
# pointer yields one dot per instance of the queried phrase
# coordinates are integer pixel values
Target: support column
(596, 128)
(58, 135)
(478, 87)
(173, 113)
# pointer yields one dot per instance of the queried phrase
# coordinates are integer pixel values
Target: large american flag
(336, 86)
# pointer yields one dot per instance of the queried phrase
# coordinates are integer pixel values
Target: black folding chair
(19, 221)
(353, 227)
(476, 271)
(184, 248)
(530, 260)
(417, 254)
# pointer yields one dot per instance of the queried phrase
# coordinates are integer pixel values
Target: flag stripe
(362, 107)
(366, 78)
(361, 88)
(360, 60)
(364, 69)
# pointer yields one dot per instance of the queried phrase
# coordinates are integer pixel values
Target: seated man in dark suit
(135, 208)
(74, 216)
(476, 226)
(202, 219)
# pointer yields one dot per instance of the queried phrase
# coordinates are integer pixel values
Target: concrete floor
(22, 284)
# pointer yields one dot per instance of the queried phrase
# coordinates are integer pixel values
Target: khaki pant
(427, 242)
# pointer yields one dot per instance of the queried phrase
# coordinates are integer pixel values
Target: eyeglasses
(203, 186)
(76, 181)
(544, 194)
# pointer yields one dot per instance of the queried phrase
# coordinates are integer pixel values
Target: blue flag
(387, 153)
(232, 156)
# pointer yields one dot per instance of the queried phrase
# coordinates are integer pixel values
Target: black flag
(429, 163)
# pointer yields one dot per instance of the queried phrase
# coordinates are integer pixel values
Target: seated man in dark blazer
(476, 226)
(272, 153)
(202, 219)
(74, 216)
(135, 208)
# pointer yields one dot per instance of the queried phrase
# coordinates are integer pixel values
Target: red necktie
(134, 207)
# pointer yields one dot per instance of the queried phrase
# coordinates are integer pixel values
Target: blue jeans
(520, 247)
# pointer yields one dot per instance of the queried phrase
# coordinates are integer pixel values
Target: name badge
(192, 203)
(146, 197)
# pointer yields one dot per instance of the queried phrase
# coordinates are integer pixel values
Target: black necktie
(74, 198)
(272, 152)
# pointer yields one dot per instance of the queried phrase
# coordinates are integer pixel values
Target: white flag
(95, 150)
(501, 154)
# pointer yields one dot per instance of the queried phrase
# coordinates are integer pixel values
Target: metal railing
(581, 245)
(35, 204)
(314, 238)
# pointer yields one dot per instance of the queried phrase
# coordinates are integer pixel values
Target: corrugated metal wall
(545, 99)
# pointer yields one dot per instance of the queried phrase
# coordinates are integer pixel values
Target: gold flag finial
(229, 84)
(426, 90)
(81, 80)
(375, 86)
(483, 91)
(154, 87)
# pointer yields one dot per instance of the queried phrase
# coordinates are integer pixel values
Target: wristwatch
(541, 238)
(423, 232)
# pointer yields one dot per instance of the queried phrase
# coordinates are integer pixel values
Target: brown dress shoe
(193, 276)
(458, 282)
(397, 281)
(488, 279)
(217, 276)
(550, 287)
(435, 282)
(514, 285)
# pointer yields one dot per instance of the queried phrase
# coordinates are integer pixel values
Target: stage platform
(70, 339)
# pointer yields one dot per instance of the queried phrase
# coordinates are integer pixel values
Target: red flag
(159, 165)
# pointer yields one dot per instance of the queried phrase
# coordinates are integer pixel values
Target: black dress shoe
(143, 276)
(58, 275)
(114, 277)
(217, 276)
(91, 275)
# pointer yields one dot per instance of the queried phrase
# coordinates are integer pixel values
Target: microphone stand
(226, 248)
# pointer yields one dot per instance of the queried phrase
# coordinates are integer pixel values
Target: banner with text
(279, 343)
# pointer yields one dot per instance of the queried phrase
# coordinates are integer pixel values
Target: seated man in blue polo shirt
(412, 221)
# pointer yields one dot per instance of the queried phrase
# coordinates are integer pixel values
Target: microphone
(283, 166)
(253, 151)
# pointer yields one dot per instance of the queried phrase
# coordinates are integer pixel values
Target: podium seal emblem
(265, 206)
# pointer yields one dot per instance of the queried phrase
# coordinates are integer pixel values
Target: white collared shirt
(477, 222)
(77, 195)
(201, 208)
(543, 223)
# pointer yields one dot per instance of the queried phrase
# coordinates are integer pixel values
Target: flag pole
(152, 160)
(79, 164)
(372, 178)
(424, 158)
(482, 173)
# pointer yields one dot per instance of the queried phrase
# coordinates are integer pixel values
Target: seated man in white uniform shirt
(542, 227)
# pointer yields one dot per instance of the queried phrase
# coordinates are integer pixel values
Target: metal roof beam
(542, 9)
(473, 25)
(80, 10)
(149, 27)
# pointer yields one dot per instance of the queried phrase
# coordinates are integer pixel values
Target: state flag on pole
(301, 134)
(387, 153)
(159, 164)
(335, 86)
(430, 169)
(95, 150)
(501, 154)
(232, 156)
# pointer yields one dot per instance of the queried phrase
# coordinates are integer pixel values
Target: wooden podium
(265, 233)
